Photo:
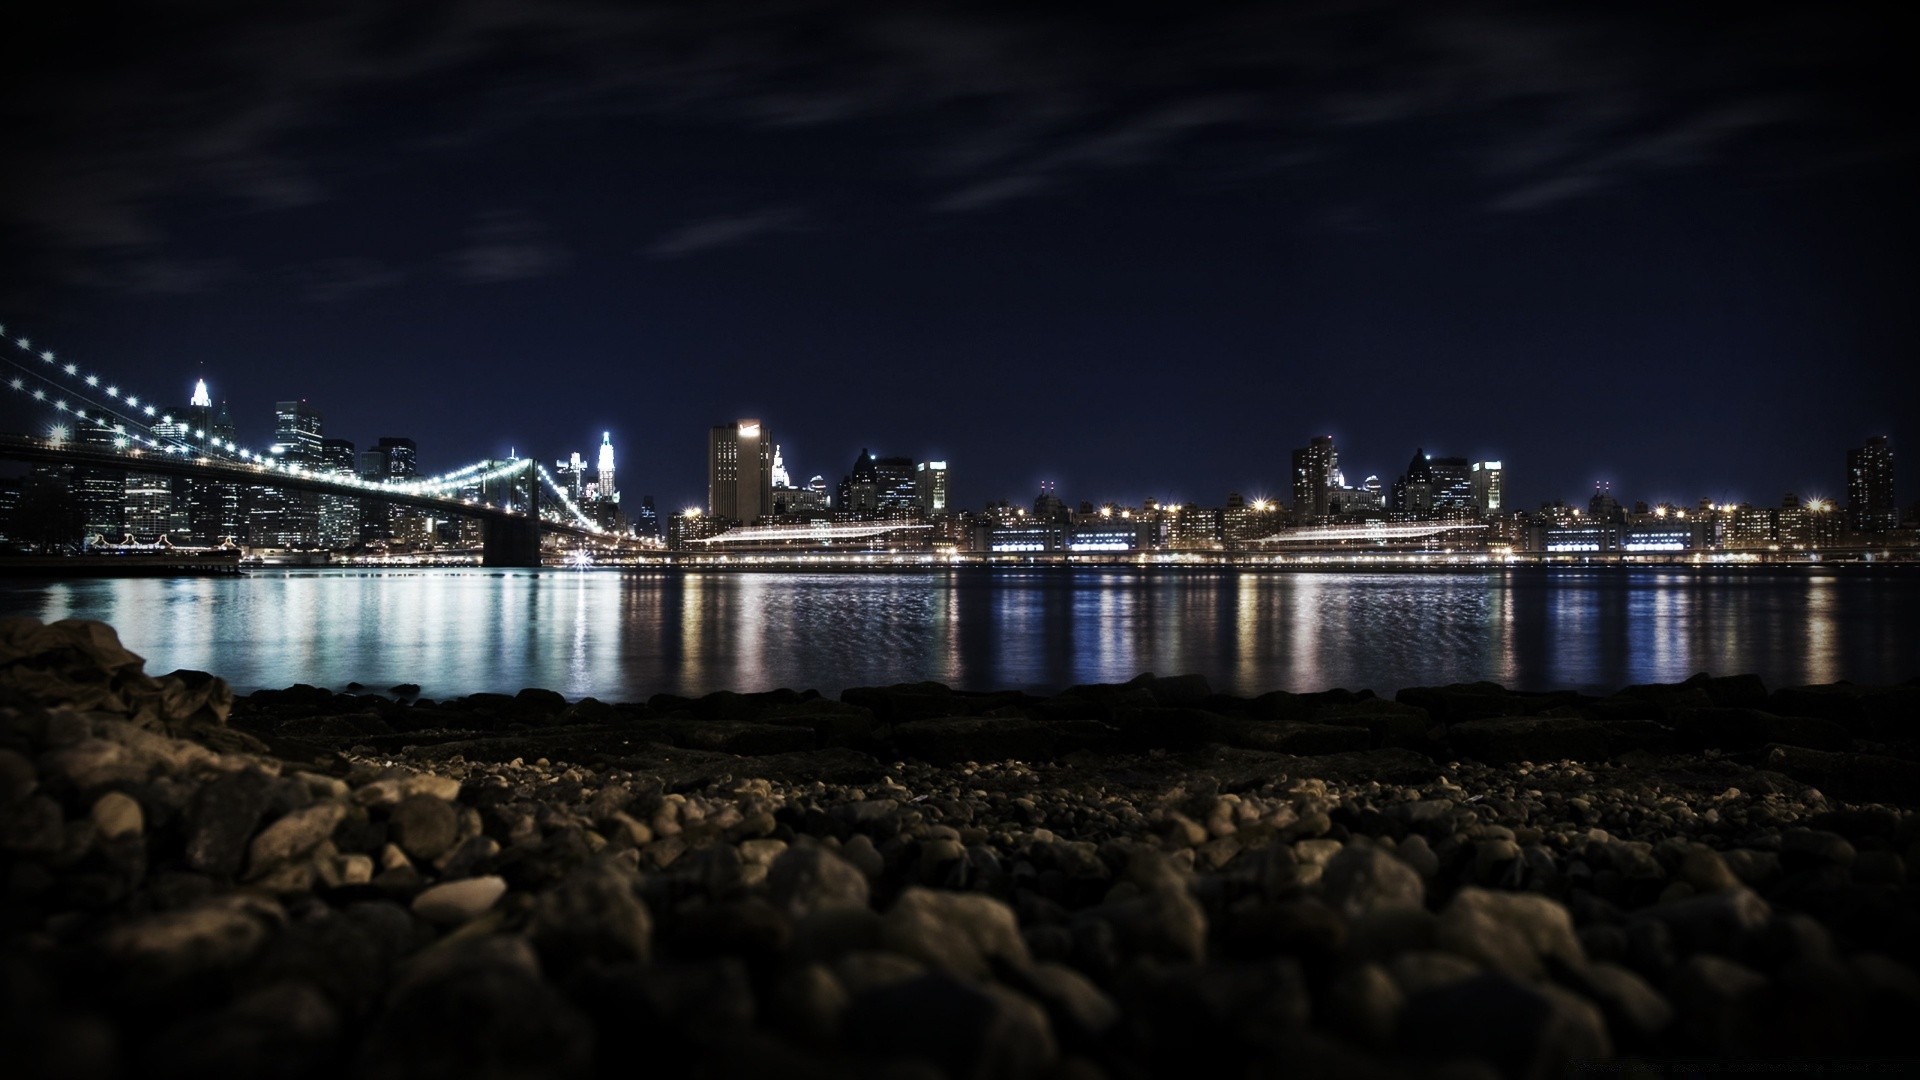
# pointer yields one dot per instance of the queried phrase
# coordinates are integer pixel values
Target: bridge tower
(514, 541)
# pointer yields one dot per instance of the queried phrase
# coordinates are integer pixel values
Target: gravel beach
(1114, 881)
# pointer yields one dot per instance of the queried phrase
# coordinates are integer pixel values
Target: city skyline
(1591, 241)
(750, 485)
(1839, 490)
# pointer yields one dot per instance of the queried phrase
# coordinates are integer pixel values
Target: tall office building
(1452, 483)
(573, 474)
(1489, 481)
(930, 486)
(604, 472)
(646, 519)
(879, 486)
(150, 513)
(780, 477)
(339, 514)
(1415, 491)
(212, 507)
(100, 492)
(739, 472)
(281, 517)
(296, 433)
(402, 456)
(1313, 467)
(1870, 496)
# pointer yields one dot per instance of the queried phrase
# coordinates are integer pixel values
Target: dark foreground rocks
(1115, 881)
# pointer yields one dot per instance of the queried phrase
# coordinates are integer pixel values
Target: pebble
(457, 902)
(963, 933)
(116, 816)
(1111, 914)
(804, 879)
(293, 836)
(1363, 878)
(424, 826)
(1515, 933)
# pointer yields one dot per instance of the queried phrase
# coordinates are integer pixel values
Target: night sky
(1147, 254)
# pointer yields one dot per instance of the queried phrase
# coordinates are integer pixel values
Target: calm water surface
(623, 636)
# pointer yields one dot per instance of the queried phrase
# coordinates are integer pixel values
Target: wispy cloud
(721, 232)
(262, 109)
(331, 280)
(507, 246)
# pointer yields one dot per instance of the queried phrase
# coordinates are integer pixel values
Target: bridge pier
(506, 541)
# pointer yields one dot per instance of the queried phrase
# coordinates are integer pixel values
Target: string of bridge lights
(566, 500)
(77, 403)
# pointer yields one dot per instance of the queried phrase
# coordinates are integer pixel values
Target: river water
(621, 636)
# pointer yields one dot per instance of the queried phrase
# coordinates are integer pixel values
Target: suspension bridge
(130, 432)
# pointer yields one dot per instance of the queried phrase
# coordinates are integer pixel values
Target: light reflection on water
(625, 636)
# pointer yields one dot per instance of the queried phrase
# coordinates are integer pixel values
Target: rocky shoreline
(909, 881)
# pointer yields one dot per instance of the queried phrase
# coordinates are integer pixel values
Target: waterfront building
(1195, 527)
(1870, 491)
(1591, 537)
(1488, 483)
(1242, 521)
(1751, 528)
(689, 525)
(1313, 467)
(1027, 537)
(1110, 535)
(150, 514)
(930, 487)
(739, 472)
(1808, 524)
(1668, 535)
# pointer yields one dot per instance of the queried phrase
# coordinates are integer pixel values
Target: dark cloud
(235, 107)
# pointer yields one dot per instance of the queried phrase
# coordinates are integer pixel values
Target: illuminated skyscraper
(608, 493)
(780, 477)
(1452, 483)
(339, 514)
(1313, 467)
(573, 473)
(1489, 486)
(739, 472)
(212, 508)
(296, 433)
(930, 484)
(284, 518)
(1870, 495)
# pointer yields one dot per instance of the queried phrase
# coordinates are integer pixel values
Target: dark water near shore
(622, 637)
